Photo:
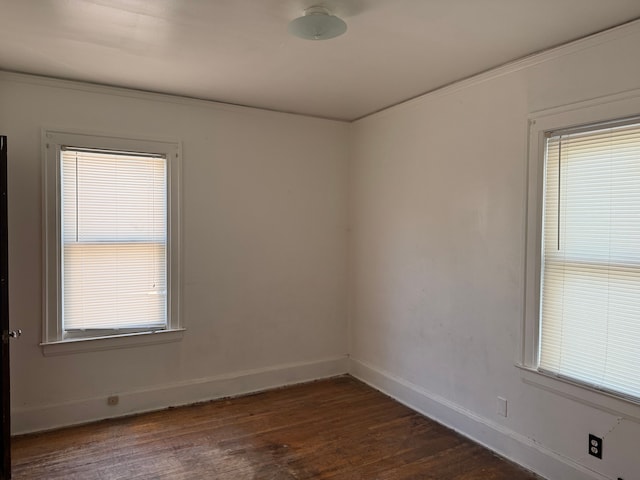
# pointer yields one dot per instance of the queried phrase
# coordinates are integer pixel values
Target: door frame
(5, 396)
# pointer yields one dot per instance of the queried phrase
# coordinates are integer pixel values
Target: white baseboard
(47, 417)
(502, 440)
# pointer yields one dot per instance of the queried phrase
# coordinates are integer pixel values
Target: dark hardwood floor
(330, 429)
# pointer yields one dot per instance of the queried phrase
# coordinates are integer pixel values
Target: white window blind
(114, 240)
(590, 292)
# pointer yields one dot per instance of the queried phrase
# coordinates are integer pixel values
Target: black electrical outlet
(595, 446)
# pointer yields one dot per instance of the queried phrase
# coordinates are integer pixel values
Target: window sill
(584, 394)
(94, 344)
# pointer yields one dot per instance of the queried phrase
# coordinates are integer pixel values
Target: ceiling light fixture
(317, 23)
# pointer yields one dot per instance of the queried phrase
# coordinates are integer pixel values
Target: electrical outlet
(502, 406)
(595, 446)
(113, 400)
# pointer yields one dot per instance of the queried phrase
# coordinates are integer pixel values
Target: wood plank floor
(330, 429)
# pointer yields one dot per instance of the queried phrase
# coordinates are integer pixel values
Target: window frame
(53, 339)
(601, 110)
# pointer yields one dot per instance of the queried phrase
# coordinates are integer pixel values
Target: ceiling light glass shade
(317, 24)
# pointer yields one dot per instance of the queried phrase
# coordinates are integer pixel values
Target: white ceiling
(238, 51)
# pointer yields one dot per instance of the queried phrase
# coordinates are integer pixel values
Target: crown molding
(605, 36)
(96, 88)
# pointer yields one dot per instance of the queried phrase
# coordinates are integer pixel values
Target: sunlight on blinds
(114, 217)
(590, 294)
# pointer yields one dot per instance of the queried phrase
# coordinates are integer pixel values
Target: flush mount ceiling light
(317, 23)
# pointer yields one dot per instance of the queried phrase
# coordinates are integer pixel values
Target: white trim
(94, 344)
(513, 66)
(605, 108)
(581, 393)
(51, 141)
(47, 417)
(101, 89)
(494, 436)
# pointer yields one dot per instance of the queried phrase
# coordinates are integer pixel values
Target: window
(590, 281)
(112, 237)
(582, 320)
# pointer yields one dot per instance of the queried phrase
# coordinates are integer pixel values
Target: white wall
(264, 252)
(437, 191)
